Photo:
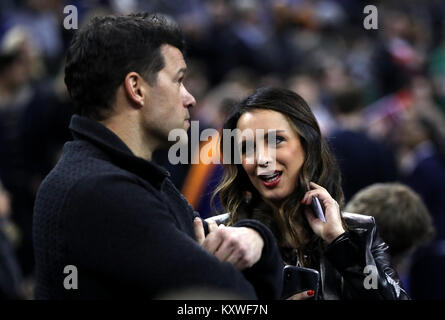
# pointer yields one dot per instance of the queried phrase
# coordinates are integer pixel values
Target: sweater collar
(84, 128)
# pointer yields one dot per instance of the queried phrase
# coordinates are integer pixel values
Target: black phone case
(298, 279)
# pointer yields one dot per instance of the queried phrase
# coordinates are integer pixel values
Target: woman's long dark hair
(242, 200)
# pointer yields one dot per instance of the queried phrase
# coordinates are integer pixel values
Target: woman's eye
(278, 140)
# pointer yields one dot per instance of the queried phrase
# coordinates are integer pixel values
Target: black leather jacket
(342, 266)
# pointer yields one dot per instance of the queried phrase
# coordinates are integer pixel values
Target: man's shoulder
(80, 167)
(80, 160)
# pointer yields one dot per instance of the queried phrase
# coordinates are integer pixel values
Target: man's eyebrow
(182, 70)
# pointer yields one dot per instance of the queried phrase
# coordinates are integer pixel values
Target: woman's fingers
(302, 295)
(333, 226)
(316, 186)
(320, 192)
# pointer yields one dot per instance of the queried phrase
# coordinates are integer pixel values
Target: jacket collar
(94, 132)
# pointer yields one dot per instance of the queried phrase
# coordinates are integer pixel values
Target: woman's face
(274, 180)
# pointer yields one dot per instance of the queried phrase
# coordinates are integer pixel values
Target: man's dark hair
(106, 49)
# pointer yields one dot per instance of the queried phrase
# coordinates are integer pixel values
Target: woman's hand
(302, 295)
(333, 227)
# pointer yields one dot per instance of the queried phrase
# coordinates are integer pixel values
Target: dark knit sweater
(129, 232)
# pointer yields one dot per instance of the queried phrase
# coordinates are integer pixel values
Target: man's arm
(249, 246)
(117, 228)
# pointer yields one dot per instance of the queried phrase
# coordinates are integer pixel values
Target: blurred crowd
(379, 97)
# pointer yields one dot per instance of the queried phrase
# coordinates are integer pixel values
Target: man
(109, 213)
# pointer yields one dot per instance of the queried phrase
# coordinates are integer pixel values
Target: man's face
(168, 100)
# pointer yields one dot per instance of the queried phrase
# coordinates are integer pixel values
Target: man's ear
(135, 89)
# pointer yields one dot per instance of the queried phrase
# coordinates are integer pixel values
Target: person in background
(402, 218)
(362, 159)
(11, 280)
(419, 139)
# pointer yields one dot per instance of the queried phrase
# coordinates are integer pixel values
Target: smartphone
(316, 207)
(299, 279)
(220, 219)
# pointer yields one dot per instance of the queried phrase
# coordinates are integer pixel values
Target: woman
(276, 183)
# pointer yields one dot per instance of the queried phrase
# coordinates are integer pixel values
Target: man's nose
(189, 100)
